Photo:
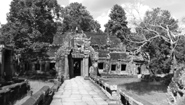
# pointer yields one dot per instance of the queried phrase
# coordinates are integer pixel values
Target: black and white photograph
(92, 52)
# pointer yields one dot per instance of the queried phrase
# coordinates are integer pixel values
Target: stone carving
(77, 46)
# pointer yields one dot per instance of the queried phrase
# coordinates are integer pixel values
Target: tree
(158, 51)
(30, 27)
(164, 42)
(76, 16)
(117, 25)
(159, 35)
(95, 26)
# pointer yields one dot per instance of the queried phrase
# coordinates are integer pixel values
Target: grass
(154, 93)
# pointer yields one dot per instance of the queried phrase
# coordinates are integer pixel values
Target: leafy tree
(117, 25)
(180, 50)
(30, 27)
(76, 16)
(95, 26)
(158, 37)
(164, 42)
(158, 51)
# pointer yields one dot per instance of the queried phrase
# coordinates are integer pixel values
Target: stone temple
(83, 54)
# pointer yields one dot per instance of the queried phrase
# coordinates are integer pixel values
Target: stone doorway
(51, 66)
(7, 65)
(77, 66)
(139, 70)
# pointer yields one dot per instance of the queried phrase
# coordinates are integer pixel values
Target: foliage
(158, 51)
(117, 25)
(180, 50)
(75, 16)
(164, 43)
(158, 32)
(30, 26)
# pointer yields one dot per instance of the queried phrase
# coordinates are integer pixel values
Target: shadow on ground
(141, 87)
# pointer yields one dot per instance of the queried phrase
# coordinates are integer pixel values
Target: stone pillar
(118, 67)
(33, 66)
(66, 68)
(46, 66)
(40, 65)
(82, 67)
(86, 66)
(1, 63)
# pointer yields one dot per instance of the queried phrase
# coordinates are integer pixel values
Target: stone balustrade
(10, 93)
(117, 94)
(44, 96)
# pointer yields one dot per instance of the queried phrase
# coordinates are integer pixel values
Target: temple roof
(99, 39)
(103, 53)
(114, 42)
(118, 55)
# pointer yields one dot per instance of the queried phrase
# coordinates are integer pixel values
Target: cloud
(182, 25)
(134, 12)
(79, 1)
(183, 20)
(97, 7)
(103, 19)
(4, 9)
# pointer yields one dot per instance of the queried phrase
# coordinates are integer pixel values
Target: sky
(100, 9)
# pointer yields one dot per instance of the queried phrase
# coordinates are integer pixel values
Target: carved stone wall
(78, 48)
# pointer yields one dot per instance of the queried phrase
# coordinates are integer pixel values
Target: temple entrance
(139, 70)
(77, 66)
(8, 71)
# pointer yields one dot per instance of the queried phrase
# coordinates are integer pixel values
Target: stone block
(91, 102)
(87, 99)
(81, 103)
(99, 102)
(56, 102)
(68, 103)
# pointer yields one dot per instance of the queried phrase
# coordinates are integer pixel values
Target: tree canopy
(117, 25)
(163, 41)
(156, 30)
(75, 16)
(30, 26)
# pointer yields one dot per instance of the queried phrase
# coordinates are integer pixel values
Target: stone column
(1, 63)
(40, 65)
(33, 66)
(118, 67)
(66, 68)
(86, 66)
(47, 64)
(82, 67)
